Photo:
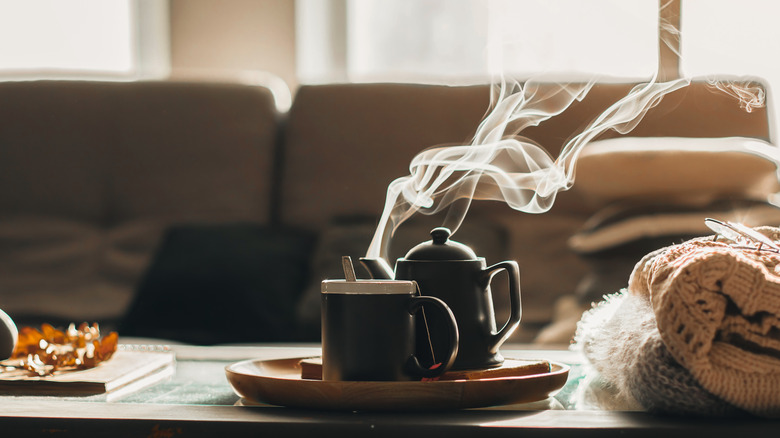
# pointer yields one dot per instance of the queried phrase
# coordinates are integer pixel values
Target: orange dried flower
(44, 351)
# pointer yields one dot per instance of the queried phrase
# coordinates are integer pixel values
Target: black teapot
(452, 272)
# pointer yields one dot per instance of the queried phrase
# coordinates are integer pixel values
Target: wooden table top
(198, 401)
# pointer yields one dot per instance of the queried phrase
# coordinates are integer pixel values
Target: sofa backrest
(349, 141)
(91, 173)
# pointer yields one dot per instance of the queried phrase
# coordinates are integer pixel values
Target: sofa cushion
(91, 173)
(347, 142)
(106, 152)
(53, 140)
(676, 170)
(192, 150)
(614, 239)
(51, 267)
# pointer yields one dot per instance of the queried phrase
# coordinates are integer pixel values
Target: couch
(197, 212)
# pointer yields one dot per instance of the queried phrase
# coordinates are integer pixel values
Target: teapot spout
(377, 268)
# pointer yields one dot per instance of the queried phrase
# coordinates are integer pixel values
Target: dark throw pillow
(223, 283)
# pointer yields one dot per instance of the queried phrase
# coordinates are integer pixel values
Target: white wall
(212, 38)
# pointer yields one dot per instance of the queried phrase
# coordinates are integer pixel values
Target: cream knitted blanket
(696, 331)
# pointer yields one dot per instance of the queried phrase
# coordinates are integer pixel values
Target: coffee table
(198, 401)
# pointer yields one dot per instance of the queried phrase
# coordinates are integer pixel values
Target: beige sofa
(197, 212)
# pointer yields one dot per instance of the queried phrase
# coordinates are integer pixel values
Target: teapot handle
(515, 311)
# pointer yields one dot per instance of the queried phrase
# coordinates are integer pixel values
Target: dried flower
(48, 350)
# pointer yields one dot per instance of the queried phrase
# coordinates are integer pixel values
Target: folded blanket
(697, 330)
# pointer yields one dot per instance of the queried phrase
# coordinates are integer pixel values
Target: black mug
(369, 331)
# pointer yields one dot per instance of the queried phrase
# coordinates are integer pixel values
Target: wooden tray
(278, 382)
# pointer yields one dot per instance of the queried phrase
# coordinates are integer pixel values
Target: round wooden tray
(279, 382)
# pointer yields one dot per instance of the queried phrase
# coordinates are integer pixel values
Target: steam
(501, 164)
(748, 97)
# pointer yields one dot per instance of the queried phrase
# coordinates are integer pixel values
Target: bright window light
(574, 37)
(451, 40)
(74, 35)
(407, 39)
(722, 38)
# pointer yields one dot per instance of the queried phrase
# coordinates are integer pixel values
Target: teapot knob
(440, 247)
(440, 235)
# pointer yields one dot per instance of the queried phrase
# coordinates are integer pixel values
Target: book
(124, 368)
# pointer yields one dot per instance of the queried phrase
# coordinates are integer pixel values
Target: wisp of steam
(500, 164)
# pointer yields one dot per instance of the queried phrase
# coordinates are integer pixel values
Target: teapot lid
(441, 248)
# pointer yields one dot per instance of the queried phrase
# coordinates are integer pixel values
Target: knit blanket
(696, 331)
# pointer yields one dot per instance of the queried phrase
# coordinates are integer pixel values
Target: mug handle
(413, 364)
(515, 307)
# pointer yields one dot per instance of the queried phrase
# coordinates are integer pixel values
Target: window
(463, 41)
(83, 38)
(478, 38)
(726, 38)
(471, 40)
